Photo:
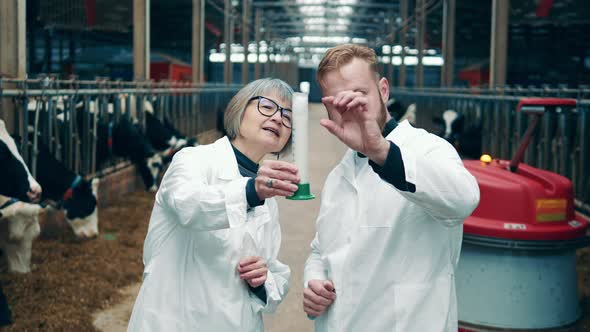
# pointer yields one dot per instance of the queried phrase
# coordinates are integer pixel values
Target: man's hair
(341, 55)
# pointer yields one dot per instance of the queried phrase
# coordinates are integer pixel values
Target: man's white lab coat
(391, 254)
(195, 240)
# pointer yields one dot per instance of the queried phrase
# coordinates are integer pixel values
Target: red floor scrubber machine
(517, 269)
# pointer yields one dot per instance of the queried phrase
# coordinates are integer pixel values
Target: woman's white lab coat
(196, 236)
(391, 254)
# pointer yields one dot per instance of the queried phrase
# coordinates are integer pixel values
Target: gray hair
(237, 105)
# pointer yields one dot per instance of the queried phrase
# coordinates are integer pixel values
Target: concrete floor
(298, 229)
(298, 224)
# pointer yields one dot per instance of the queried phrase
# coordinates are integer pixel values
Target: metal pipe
(141, 40)
(448, 43)
(420, 36)
(293, 4)
(104, 92)
(245, 40)
(499, 42)
(227, 66)
(402, 38)
(257, 34)
(198, 46)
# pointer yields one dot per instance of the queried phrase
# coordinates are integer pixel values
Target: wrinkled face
(357, 76)
(19, 226)
(81, 210)
(263, 131)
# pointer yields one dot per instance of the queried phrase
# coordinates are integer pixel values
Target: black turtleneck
(393, 170)
(248, 168)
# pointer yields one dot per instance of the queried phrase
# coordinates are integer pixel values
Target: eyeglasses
(269, 107)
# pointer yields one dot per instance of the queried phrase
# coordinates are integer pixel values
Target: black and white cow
(19, 226)
(123, 138)
(163, 136)
(467, 141)
(397, 111)
(15, 179)
(75, 195)
(72, 193)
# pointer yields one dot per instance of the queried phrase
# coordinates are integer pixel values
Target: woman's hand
(253, 270)
(276, 178)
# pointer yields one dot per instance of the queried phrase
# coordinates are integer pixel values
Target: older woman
(211, 250)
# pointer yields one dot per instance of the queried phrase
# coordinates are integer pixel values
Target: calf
(163, 136)
(396, 110)
(451, 127)
(123, 138)
(75, 195)
(19, 226)
(15, 178)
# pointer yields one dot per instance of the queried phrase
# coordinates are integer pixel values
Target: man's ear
(384, 89)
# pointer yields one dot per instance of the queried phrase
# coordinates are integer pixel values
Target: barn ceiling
(539, 30)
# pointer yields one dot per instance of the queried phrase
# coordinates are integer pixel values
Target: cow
(396, 110)
(451, 126)
(19, 226)
(74, 194)
(163, 136)
(123, 138)
(15, 179)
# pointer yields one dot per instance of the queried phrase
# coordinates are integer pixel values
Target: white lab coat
(392, 254)
(197, 230)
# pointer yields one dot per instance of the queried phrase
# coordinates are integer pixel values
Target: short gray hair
(237, 105)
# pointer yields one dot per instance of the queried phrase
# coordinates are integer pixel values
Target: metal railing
(561, 143)
(51, 109)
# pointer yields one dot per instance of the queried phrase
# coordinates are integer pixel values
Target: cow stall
(90, 139)
(561, 143)
(65, 113)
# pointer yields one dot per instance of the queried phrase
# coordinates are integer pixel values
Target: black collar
(70, 192)
(245, 162)
(8, 203)
(387, 129)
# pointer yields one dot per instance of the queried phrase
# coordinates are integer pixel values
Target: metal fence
(561, 143)
(49, 108)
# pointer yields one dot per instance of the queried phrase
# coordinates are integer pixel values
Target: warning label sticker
(549, 210)
(520, 227)
(574, 223)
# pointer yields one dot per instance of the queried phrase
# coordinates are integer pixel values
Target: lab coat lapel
(228, 165)
(348, 167)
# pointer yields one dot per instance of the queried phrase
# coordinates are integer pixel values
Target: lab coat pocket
(423, 307)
